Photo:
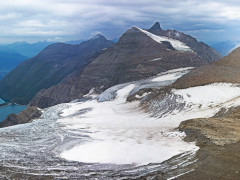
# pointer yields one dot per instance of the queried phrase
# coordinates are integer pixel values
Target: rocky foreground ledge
(218, 137)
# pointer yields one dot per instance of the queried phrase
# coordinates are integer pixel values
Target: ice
(213, 94)
(178, 45)
(122, 133)
(171, 75)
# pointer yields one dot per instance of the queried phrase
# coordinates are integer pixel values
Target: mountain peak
(156, 27)
(99, 36)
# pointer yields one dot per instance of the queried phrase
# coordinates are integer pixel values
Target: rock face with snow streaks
(207, 53)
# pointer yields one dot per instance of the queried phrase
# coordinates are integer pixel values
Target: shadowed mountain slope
(48, 68)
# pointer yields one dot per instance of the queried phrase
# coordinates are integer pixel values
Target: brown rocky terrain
(135, 56)
(223, 70)
(24, 116)
(218, 138)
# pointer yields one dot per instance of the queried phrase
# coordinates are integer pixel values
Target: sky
(63, 20)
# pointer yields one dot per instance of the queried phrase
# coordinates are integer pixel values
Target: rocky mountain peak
(155, 27)
(99, 36)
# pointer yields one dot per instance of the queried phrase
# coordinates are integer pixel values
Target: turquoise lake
(5, 111)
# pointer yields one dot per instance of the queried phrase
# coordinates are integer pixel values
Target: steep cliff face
(224, 70)
(138, 54)
(48, 68)
(207, 53)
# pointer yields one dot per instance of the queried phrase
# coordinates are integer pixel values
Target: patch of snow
(91, 93)
(171, 74)
(143, 95)
(209, 95)
(178, 45)
(156, 59)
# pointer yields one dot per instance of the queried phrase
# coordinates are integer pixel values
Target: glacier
(108, 137)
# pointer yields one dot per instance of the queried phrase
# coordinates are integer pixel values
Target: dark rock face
(136, 56)
(226, 69)
(23, 117)
(48, 68)
(207, 53)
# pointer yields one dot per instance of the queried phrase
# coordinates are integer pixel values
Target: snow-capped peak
(178, 45)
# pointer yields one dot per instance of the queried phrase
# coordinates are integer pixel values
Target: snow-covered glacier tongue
(110, 137)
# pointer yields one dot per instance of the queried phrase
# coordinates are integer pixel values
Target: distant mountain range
(48, 68)
(13, 54)
(225, 47)
(32, 49)
(9, 59)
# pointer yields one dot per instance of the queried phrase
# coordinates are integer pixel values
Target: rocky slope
(219, 139)
(138, 54)
(207, 53)
(48, 68)
(224, 70)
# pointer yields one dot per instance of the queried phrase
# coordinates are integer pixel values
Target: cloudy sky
(62, 20)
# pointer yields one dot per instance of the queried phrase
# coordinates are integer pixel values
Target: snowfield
(178, 45)
(122, 133)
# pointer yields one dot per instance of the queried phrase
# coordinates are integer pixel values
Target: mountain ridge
(223, 70)
(49, 67)
(132, 58)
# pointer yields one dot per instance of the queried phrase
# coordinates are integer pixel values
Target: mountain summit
(155, 27)
(207, 53)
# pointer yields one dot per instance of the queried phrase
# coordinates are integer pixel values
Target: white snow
(166, 77)
(210, 95)
(91, 93)
(143, 95)
(171, 74)
(156, 59)
(122, 133)
(178, 45)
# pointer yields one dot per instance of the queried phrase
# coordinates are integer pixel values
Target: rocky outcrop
(24, 116)
(218, 137)
(226, 69)
(49, 68)
(207, 53)
(135, 56)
